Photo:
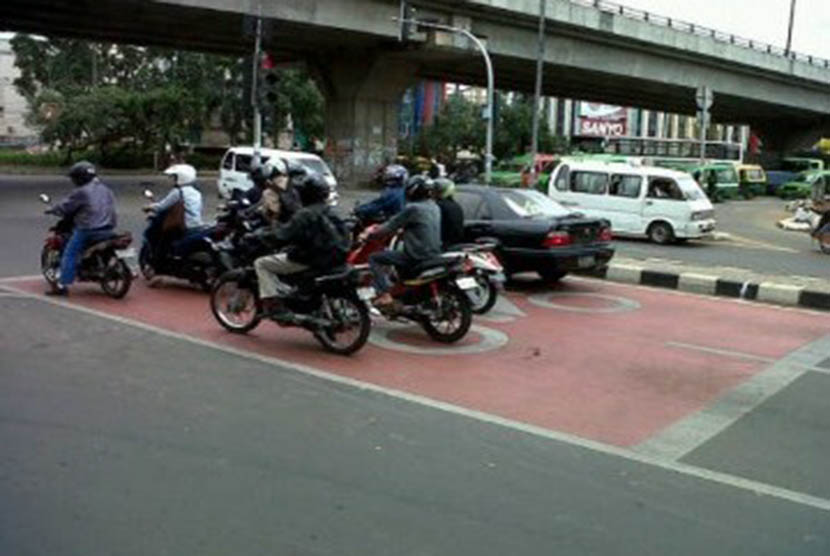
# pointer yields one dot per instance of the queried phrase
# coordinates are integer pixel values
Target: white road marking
(756, 487)
(749, 356)
(682, 437)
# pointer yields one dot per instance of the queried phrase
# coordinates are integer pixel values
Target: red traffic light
(267, 62)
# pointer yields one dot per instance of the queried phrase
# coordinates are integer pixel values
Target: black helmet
(418, 188)
(264, 172)
(81, 173)
(395, 175)
(313, 189)
(296, 169)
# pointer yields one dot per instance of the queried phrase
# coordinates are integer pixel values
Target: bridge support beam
(363, 92)
(783, 138)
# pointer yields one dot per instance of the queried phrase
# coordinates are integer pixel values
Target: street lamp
(790, 30)
(488, 155)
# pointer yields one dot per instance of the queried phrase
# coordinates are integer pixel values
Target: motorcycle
(434, 294)
(326, 305)
(103, 261)
(200, 264)
(821, 233)
(486, 269)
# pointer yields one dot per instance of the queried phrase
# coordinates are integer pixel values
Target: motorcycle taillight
(53, 241)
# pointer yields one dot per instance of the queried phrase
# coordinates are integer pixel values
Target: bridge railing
(700, 30)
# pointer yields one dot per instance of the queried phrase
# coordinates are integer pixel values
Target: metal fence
(694, 29)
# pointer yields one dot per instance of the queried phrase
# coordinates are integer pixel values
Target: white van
(236, 165)
(663, 205)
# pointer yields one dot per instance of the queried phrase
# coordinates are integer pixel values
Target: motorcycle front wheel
(50, 264)
(117, 279)
(451, 319)
(144, 262)
(234, 305)
(351, 325)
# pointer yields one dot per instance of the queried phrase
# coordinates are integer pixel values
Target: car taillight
(606, 235)
(557, 239)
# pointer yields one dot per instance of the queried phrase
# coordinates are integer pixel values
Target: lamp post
(534, 143)
(790, 29)
(488, 114)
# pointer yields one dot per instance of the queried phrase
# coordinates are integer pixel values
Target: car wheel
(661, 233)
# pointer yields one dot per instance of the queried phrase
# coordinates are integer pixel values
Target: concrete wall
(13, 107)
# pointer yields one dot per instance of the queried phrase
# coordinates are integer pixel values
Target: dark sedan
(535, 232)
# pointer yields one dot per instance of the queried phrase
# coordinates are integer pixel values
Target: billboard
(602, 120)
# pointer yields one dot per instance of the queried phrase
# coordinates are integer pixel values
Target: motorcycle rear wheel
(352, 329)
(235, 306)
(145, 264)
(117, 279)
(455, 317)
(483, 297)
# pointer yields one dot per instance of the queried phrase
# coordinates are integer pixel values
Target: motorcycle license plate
(467, 283)
(366, 293)
(586, 262)
(128, 253)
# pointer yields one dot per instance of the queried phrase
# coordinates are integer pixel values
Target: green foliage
(128, 101)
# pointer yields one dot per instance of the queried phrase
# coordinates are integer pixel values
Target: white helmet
(184, 174)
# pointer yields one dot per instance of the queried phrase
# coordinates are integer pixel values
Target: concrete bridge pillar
(363, 92)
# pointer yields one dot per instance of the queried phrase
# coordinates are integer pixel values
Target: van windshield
(315, 165)
(691, 190)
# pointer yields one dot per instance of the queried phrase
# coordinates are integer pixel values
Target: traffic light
(268, 82)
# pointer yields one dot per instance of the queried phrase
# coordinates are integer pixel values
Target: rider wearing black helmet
(420, 223)
(391, 200)
(314, 238)
(92, 206)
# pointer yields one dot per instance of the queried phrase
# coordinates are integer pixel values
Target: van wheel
(661, 233)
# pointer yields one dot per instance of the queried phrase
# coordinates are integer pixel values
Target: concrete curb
(776, 293)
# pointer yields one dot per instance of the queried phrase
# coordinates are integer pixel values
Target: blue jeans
(378, 263)
(74, 247)
(182, 247)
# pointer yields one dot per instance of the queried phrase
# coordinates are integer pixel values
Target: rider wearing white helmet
(183, 178)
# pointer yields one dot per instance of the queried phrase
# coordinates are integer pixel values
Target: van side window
(243, 162)
(664, 188)
(625, 186)
(561, 183)
(594, 183)
(227, 162)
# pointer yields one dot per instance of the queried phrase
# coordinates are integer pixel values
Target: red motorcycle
(432, 294)
(103, 262)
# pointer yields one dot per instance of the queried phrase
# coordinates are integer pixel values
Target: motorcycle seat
(118, 240)
(430, 264)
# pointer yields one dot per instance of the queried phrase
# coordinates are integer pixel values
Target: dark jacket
(421, 225)
(452, 222)
(91, 206)
(314, 236)
(390, 203)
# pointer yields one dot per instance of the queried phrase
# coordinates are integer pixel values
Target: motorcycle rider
(185, 188)
(92, 208)
(420, 221)
(452, 216)
(273, 193)
(314, 238)
(392, 198)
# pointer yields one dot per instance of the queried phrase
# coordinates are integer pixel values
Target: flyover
(592, 53)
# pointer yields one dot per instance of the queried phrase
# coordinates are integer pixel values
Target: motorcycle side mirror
(148, 194)
(44, 198)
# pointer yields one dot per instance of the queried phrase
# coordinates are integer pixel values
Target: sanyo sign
(602, 120)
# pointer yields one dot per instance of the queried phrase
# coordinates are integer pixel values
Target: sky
(762, 20)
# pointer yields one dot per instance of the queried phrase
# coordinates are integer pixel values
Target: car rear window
(529, 203)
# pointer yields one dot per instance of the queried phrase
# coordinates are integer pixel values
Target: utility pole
(540, 58)
(254, 94)
(790, 30)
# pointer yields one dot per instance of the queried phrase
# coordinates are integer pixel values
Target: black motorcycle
(326, 305)
(104, 261)
(199, 264)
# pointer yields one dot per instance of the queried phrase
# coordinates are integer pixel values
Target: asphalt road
(755, 244)
(117, 438)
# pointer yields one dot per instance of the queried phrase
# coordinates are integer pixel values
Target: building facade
(13, 107)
